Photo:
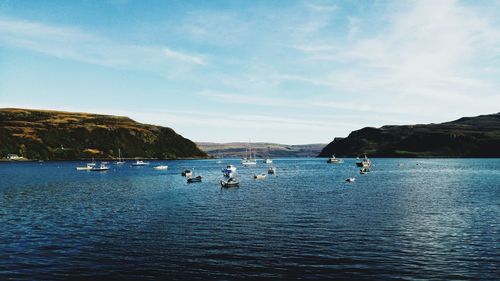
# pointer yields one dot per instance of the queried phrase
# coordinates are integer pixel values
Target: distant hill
(57, 135)
(238, 149)
(466, 137)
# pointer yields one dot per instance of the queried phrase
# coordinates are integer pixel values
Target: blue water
(436, 220)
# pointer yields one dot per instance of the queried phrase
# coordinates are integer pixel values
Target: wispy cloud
(73, 43)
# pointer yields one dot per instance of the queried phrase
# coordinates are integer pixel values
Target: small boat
(230, 168)
(334, 160)
(101, 168)
(120, 161)
(229, 171)
(260, 176)
(140, 163)
(350, 179)
(271, 170)
(268, 161)
(248, 161)
(364, 171)
(161, 167)
(365, 163)
(231, 182)
(86, 168)
(187, 173)
(250, 158)
(195, 179)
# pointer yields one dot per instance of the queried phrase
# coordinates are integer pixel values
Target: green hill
(57, 135)
(466, 137)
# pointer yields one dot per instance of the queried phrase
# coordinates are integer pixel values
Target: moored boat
(271, 170)
(195, 179)
(140, 163)
(187, 173)
(334, 160)
(365, 163)
(88, 167)
(161, 167)
(260, 176)
(120, 160)
(101, 168)
(231, 182)
(350, 179)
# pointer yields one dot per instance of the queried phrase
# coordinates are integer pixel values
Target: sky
(282, 71)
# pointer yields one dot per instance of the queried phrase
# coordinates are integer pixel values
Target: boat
(364, 171)
(229, 171)
(140, 163)
(161, 167)
(350, 179)
(260, 176)
(231, 182)
(249, 159)
(268, 161)
(187, 173)
(271, 170)
(195, 179)
(230, 168)
(88, 167)
(334, 160)
(365, 163)
(120, 161)
(101, 168)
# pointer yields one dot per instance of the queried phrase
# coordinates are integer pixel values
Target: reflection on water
(435, 220)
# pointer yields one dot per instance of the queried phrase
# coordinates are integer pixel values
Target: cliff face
(56, 135)
(466, 137)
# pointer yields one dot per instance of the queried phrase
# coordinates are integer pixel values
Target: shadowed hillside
(56, 135)
(466, 137)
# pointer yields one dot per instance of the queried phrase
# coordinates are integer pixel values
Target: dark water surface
(436, 220)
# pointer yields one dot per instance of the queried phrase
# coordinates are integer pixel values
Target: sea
(407, 219)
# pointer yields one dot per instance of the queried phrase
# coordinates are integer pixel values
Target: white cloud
(72, 43)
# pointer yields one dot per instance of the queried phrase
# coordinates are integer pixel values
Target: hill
(466, 137)
(57, 135)
(261, 149)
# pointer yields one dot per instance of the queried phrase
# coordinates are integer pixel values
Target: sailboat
(120, 161)
(249, 159)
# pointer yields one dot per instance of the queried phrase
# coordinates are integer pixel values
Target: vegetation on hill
(56, 135)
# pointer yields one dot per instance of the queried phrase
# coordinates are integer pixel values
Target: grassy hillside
(57, 135)
(466, 137)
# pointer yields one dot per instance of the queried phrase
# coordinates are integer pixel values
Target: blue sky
(281, 71)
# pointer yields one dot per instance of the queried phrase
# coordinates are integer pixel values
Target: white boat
(140, 163)
(365, 163)
(271, 170)
(268, 161)
(101, 168)
(161, 167)
(260, 176)
(232, 182)
(120, 161)
(350, 179)
(334, 160)
(187, 173)
(88, 167)
(364, 171)
(230, 168)
(249, 159)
